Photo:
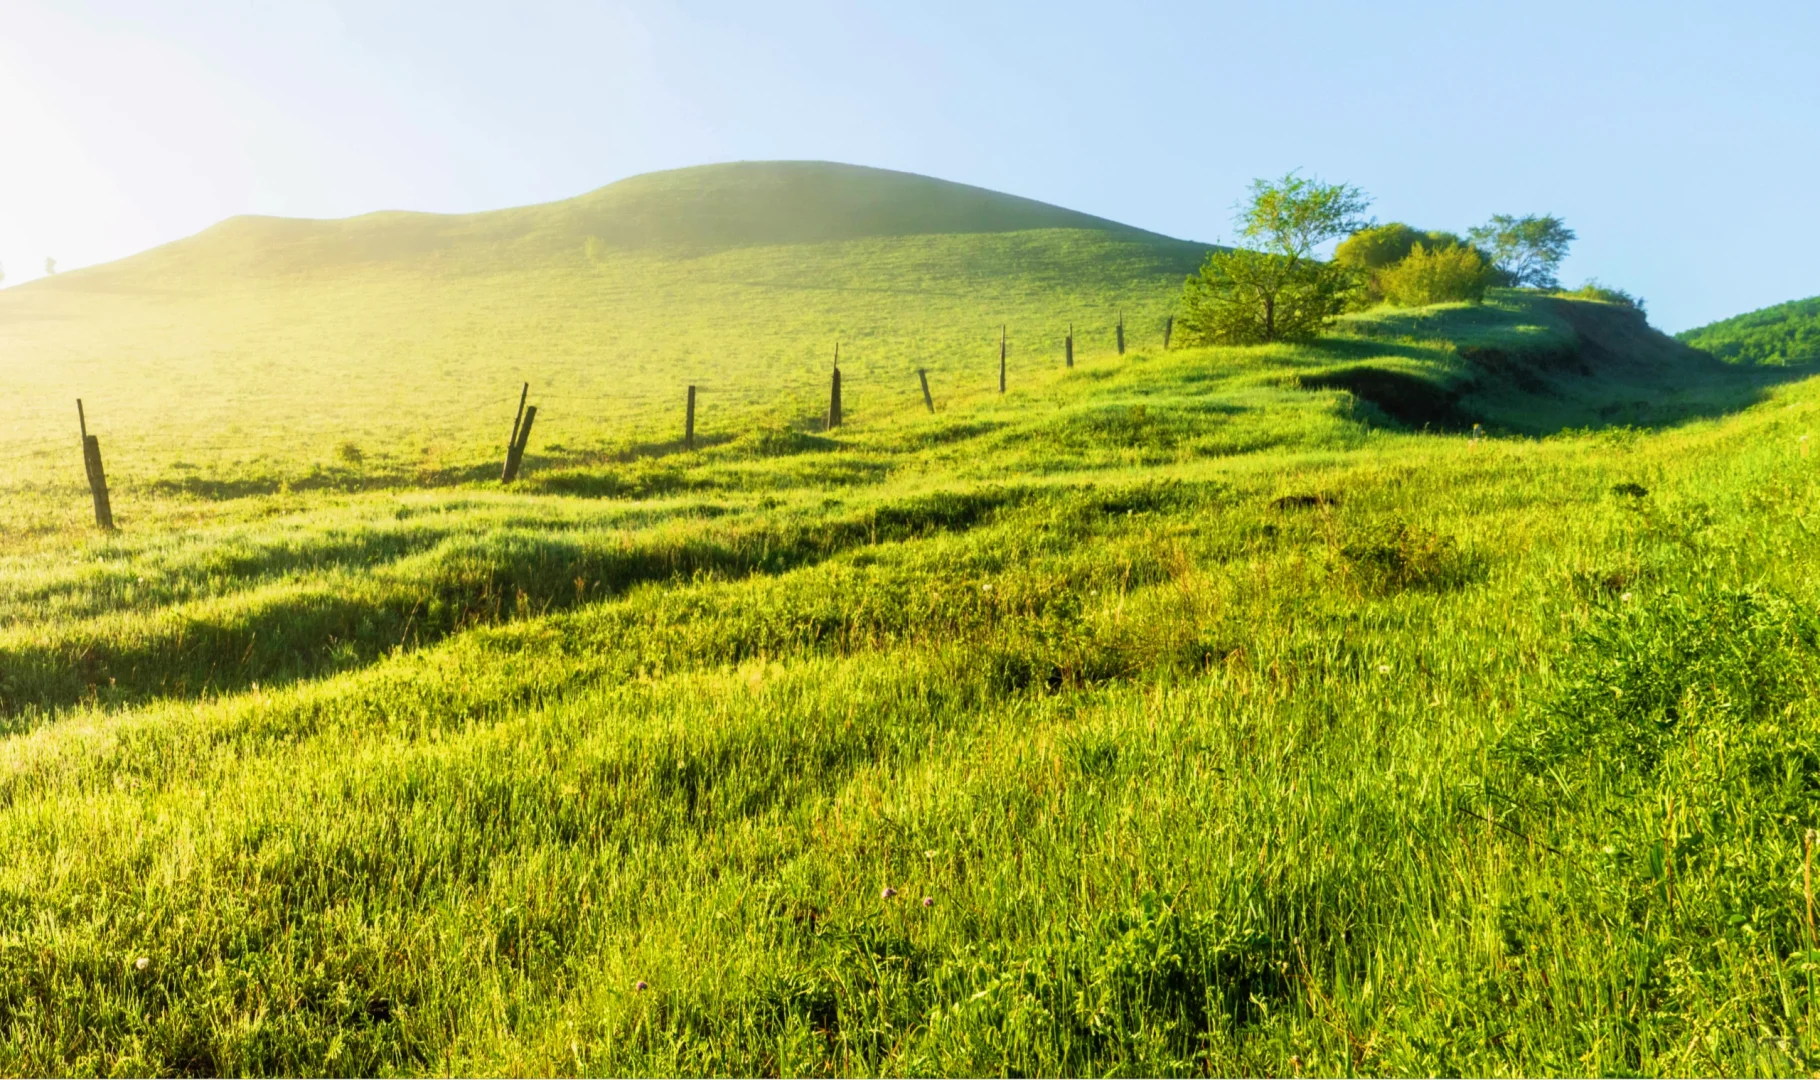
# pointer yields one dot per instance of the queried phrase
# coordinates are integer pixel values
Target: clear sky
(1679, 139)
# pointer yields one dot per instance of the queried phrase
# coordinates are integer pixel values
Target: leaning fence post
(510, 469)
(927, 400)
(82, 422)
(516, 455)
(689, 422)
(519, 418)
(1121, 330)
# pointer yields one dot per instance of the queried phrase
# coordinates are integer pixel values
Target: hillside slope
(1529, 363)
(400, 327)
(1783, 334)
(1168, 715)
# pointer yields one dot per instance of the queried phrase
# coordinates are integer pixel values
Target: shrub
(1370, 252)
(1377, 247)
(1592, 290)
(1245, 297)
(1437, 276)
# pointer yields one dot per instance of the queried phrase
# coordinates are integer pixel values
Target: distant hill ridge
(683, 212)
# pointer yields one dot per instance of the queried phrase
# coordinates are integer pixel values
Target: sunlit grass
(1223, 725)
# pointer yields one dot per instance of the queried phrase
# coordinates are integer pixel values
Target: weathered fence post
(519, 418)
(97, 476)
(1168, 329)
(516, 455)
(82, 422)
(1001, 358)
(1068, 345)
(924, 377)
(97, 482)
(689, 422)
(510, 468)
(834, 400)
(1121, 330)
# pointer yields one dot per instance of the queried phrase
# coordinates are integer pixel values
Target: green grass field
(1195, 711)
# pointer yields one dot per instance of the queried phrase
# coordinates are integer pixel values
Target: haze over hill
(689, 212)
(737, 277)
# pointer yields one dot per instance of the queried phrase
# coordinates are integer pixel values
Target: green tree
(1245, 297)
(1527, 250)
(1295, 215)
(1277, 291)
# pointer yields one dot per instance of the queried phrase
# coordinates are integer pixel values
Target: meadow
(1191, 711)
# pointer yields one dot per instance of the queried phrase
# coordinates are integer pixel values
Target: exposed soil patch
(1407, 399)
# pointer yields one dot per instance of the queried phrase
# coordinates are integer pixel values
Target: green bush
(1377, 247)
(1243, 297)
(1592, 290)
(1371, 252)
(1437, 276)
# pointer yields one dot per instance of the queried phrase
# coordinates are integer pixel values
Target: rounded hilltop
(687, 213)
(803, 202)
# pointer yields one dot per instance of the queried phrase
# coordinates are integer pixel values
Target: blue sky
(1678, 139)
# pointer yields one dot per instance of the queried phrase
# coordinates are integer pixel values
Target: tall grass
(1164, 717)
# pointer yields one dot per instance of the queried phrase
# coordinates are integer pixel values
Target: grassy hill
(1784, 334)
(1201, 711)
(264, 343)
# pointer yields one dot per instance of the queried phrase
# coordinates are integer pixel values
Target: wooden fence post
(97, 482)
(82, 422)
(510, 469)
(519, 418)
(927, 400)
(689, 422)
(1168, 330)
(516, 455)
(1001, 358)
(834, 400)
(1068, 345)
(1121, 329)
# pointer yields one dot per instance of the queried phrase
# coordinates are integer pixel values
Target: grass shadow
(310, 630)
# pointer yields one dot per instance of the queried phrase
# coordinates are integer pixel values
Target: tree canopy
(1295, 215)
(1278, 290)
(1378, 246)
(1528, 250)
(1244, 297)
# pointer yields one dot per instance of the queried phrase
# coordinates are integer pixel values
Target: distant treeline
(1785, 334)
